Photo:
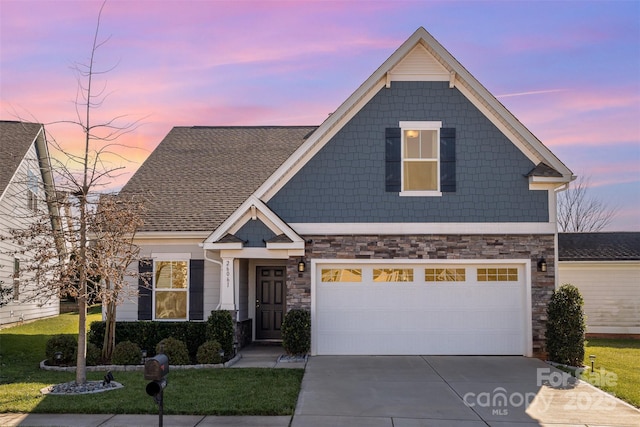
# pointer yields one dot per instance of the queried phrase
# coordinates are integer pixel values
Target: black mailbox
(156, 368)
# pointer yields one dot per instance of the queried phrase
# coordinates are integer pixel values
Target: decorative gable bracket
(253, 209)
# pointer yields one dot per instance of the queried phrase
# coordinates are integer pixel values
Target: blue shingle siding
(345, 181)
(254, 234)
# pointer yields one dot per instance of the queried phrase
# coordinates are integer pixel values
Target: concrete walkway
(403, 391)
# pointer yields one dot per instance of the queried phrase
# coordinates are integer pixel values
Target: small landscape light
(144, 356)
(57, 356)
(107, 378)
(235, 348)
(592, 358)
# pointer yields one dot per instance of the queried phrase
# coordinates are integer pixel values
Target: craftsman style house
(25, 182)
(419, 218)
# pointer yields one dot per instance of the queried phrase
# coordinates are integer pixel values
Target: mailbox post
(156, 370)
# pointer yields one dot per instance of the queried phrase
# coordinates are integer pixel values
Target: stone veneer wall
(430, 247)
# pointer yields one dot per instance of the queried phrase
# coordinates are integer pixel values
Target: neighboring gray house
(419, 218)
(606, 269)
(25, 181)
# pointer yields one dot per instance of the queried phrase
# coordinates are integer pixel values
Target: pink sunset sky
(569, 70)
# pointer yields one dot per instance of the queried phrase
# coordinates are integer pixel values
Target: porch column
(227, 285)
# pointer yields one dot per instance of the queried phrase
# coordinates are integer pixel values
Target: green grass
(617, 367)
(201, 392)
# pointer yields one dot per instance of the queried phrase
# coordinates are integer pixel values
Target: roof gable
(15, 140)
(420, 58)
(253, 210)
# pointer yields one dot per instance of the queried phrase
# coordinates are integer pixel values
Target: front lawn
(617, 367)
(199, 392)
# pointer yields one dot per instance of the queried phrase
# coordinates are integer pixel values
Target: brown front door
(270, 302)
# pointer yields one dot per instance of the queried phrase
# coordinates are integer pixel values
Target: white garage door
(420, 309)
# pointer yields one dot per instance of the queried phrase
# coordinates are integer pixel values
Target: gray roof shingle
(15, 140)
(198, 176)
(612, 246)
(544, 170)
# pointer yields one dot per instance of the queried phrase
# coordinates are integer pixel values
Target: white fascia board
(547, 181)
(536, 151)
(169, 237)
(476, 93)
(243, 214)
(412, 228)
(222, 246)
(345, 112)
(293, 245)
(13, 179)
(537, 148)
(261, 253)
(318, 140)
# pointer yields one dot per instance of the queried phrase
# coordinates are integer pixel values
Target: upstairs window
(420, 159)
(32, 191)
(16, 279)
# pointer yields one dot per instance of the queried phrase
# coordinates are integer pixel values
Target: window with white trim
(16, 279)
(170, 287)
(421, 157)
(32, 191)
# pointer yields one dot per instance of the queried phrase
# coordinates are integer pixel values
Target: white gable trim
(253, 209)
(457, 76)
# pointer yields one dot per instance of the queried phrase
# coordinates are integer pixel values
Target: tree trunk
(81, 361)
(109, 342)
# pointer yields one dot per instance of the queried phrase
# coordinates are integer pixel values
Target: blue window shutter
(393, 160)
(145, 289)
(196, 289)
(448, 160)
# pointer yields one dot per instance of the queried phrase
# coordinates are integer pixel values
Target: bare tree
(579, 211)
(81, 178)
(113, 228)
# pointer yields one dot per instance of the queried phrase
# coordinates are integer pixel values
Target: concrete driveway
(411, 391)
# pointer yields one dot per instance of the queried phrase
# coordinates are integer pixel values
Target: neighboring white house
(25, 182)
(605, 267)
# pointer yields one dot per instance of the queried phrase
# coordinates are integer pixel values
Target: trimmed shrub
(566, 326)
(296, 332)
(175, 350)
(209, 352)
(66, 345)
(94, 354)
(220, 328)
(126, 353)
(147, 333)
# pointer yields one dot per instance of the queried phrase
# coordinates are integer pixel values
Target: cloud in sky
(569, 71)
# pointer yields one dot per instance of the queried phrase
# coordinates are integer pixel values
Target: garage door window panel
(349, 275)
(393, 274)
(445, 275)
(497, 275)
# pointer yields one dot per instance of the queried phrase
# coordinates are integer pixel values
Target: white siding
(128, 310)
(34, 303)
(611, 292)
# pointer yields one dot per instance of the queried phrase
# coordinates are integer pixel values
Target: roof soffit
(420, 49)
(254, 209)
